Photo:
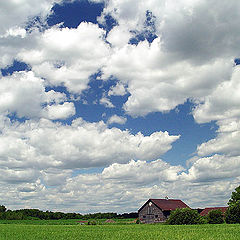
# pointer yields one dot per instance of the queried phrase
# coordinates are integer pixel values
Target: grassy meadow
(73, 230)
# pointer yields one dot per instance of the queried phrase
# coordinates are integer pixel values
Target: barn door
(150, 218)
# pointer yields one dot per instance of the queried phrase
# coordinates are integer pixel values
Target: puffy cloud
(60, 111)
(157, 82)
(223, 167)
(119, 36)
(17, 13)
(18, 175)
(43, 144)
(66, 56)
(106, 102)
(223, 102)
(141, 172)
(55, 97)
(226, 142)
(116, 119)
(180, 64)
(24, 94)
(118, 90)
(125, 187)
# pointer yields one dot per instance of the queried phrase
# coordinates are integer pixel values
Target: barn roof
(167, 204)
(207, 210)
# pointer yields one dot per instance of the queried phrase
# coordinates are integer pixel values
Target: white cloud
(106, 102)
(66, 56)
(122, 188)
(119, 36)
(60, 111)
(116, 119)
(24, 94)
(14, 32)
(226, 142)
(223, 167)
(223, 103)
(43, 144)
(141, 172)
(55, 97)
(118, 90)
(157, 82)
(17, 13)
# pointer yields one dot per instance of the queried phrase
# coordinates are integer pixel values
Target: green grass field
(117, 231)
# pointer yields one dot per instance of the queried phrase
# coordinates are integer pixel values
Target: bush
(233, 213)
(138, 221)
(184, 216)
(92, 222)
(215, 217)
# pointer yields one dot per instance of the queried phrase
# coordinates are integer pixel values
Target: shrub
(233, 213)
(215, 217)
(138, 221)
(92, 222)
(184, 216)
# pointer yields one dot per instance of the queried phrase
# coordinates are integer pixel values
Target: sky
(105, 104)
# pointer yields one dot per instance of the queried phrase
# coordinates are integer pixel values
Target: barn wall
(151, 214)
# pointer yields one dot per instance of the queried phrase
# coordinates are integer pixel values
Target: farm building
(158, 210)
(207, 210)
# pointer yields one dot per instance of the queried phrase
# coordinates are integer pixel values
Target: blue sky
(118, 102)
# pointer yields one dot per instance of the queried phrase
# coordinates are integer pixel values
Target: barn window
(156, 216)
(144, 216)
(150, 210)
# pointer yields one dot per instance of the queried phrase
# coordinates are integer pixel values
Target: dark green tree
(235, 196)
(3, 208)
(215, 217)
(233, 213)
(184, 216)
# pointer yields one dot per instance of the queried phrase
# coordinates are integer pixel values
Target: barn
(207, 210)
(158, 210)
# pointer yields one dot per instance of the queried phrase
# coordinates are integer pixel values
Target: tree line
(36, 214)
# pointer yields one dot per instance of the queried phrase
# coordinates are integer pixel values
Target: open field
(66, 221)
(121, 232)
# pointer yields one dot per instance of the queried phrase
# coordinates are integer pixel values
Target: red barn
(158, 210)
(207, 210)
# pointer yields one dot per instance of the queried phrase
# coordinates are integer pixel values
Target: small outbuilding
(207, 210)
(158, 210)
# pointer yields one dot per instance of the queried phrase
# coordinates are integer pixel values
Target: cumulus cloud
(60, 111)
(15, 13)
(116, 119)
(24, 94)
(157, 82)
(222, 166)
(222, 103)
(106, 102)
(43, 144)
(117, 90)
(66, 56)
(121, 188)
(138, 172)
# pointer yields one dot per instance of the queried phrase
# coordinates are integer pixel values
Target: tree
(235, 196)
(233, 213)
(184, 216)
(215, 217)
(3, 208)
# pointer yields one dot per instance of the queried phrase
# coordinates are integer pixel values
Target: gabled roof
(167, 204)
(207, 210)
